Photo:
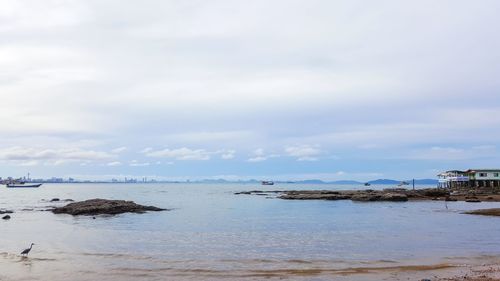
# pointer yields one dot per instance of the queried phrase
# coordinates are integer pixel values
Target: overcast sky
(248, 89)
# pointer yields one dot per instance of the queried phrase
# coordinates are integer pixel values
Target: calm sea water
(213, 234)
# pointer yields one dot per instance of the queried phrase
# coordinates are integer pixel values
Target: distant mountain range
(315, 181)
(254, 181)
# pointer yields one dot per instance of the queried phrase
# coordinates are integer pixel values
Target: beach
(209, 233)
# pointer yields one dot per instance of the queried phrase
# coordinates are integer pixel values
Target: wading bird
(27, 251)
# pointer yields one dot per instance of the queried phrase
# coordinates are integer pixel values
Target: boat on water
(403, 183)
(267, 182)
(367, 184)
(23, 185)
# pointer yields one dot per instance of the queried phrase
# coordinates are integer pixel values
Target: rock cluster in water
(367, 195)
(354, 195)
(388, 194)
(103, 207)
(485, 212)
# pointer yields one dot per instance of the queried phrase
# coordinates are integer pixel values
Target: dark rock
(313, 196)
(6, 217)
(434, 192)
(364, 197)
(397, 190)
(338, 197)
(380, 196)
(485, 212)
(396, 197)
(103, 206)
(6, 212)
(448, 198)
(472, 199)
(55, 200)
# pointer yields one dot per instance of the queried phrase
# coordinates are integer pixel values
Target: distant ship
(403, 183)
(367, 184)
(21, 184)
(267, 182)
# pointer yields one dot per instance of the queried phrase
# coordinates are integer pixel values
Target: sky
(278, 90)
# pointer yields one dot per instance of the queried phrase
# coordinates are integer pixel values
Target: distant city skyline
(283, 90)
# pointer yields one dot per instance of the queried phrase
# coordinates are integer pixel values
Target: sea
(210, 233)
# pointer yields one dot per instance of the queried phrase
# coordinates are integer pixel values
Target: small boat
(23, 185)
(403, 183)
(367, 184)
(267, 182)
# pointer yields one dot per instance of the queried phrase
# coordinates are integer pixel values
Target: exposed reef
(370, 195)
(103, 207)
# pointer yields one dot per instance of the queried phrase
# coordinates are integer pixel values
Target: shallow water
(212, 234)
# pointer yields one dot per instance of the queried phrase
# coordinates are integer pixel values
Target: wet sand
(15, 267)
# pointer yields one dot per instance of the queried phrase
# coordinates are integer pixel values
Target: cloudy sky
(248, 89)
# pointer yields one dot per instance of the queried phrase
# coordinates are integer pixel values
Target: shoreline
(481, 268)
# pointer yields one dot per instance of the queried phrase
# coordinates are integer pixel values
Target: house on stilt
(472, 178)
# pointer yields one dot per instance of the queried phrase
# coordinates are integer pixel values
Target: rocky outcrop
(434, 192)
(367, 195)
(354, 195)
(388, 194)
(380, 196)
(2, 212)
(103, 207)
(312, 196)
(485, 212)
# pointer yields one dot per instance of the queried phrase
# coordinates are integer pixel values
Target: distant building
(56, 180)
(472, 178)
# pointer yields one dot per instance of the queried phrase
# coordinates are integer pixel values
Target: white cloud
(146, 150)
(185, 153)
(303, 152)
(454, 154)
(227, 154)
(259, 151)
(119, 150)
(28, 163)
(257, 159)
(135, 163)
(259, 155)
(181, 154)
(368, 146)
(204, 136)
(62, 154)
